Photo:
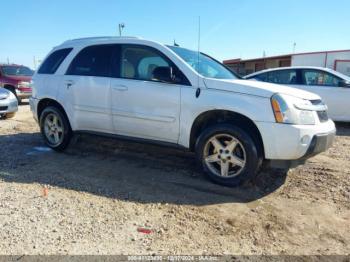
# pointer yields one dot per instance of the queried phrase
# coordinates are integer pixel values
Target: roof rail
(101, 38)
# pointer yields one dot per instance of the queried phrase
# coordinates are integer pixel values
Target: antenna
(198, 58)
(121, 27)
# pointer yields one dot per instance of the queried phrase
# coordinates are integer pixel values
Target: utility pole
(8, 60)
(121, 27)
(294, 47)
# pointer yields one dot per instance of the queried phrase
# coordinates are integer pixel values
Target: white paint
(166, 112)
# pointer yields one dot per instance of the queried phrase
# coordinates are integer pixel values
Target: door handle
(69, 83)
(120, 88)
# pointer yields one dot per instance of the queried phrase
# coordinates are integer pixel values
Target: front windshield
(17, 71)
(206, 66)
(341, 75)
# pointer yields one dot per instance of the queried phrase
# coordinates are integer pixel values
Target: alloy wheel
(224, 155)
(53, 128)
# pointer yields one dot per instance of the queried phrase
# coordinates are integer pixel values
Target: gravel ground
(95, 198)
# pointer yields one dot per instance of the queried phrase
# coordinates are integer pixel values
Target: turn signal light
(277, 111)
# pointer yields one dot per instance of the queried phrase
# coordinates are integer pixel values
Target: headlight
(287, 110)
(4, 95)
(12, 96)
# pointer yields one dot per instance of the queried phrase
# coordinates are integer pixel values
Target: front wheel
(228, 155)
(55, 128)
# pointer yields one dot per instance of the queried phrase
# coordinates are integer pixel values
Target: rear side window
(261, 77)
(286, 77)
(52, 63)
(93, 61)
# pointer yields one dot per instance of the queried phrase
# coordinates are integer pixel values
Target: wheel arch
(45, 102)
(218, 116)
(9, 87)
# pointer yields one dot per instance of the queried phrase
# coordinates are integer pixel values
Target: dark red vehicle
(17, 79)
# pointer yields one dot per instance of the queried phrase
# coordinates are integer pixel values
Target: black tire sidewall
(253, 161)
(67, 129)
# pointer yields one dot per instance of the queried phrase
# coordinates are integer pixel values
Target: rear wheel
(55, 128)
(228, 155)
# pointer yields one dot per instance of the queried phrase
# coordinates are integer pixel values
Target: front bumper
(319, 144)
(8, 106)
(295, 142)
(23, 94)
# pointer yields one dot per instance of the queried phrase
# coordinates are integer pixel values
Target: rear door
(87, 88)
(283, 77)
(327, 86)
(288, 77)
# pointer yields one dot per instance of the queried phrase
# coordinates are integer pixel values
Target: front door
(327, 86)
(142, 106)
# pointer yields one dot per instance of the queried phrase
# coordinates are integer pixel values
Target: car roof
(102, 40)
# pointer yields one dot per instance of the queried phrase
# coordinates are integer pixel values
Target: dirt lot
(101, 191)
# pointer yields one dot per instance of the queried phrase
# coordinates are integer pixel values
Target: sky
(229, 28)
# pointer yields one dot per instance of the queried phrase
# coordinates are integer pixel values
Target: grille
(3, 108)
(323, 116)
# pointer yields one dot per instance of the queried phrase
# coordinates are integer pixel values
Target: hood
(19, 78)
(3, 93)
(257, 88)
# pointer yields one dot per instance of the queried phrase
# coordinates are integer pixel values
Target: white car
(144, 90)
(332, 86)
(8, 104)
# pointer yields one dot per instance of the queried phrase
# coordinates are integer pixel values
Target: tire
(236, 152)
(60, 130)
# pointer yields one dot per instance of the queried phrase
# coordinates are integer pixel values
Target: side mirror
(164, 74)
(344, 83)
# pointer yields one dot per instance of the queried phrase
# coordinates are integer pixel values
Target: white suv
(139, 89)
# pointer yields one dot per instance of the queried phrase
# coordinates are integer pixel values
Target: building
(338, 60)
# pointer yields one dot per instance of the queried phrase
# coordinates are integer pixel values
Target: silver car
(332, 86)
(8, 104)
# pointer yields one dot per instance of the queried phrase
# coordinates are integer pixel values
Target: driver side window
(139, 63)
(320, 78)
